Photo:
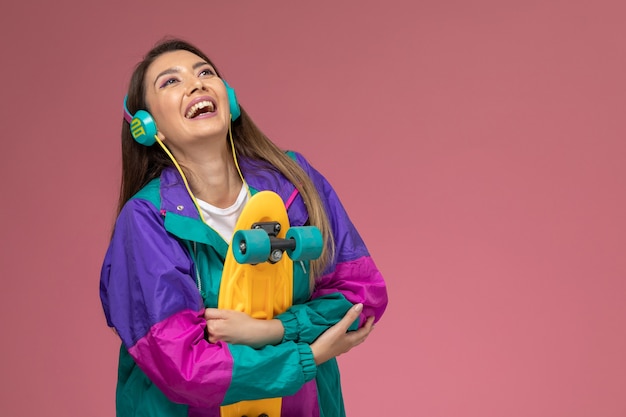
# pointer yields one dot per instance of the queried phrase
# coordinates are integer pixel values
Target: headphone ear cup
(235, 110)
(143, 128)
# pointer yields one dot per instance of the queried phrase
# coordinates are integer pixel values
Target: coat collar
(182, 217)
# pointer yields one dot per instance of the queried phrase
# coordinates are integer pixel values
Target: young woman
(192, 161)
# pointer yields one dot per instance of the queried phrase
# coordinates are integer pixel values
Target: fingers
(337, 340)
(351, 316)
(357, 337)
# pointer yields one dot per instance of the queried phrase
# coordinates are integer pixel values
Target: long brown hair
(140, 163)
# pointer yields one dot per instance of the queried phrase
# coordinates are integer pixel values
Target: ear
(160, 136)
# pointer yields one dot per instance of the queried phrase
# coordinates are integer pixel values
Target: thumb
(212, 313)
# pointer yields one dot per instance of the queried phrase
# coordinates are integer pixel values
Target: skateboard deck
(258, 278)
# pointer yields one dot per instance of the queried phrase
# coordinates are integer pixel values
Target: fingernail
(358, 307)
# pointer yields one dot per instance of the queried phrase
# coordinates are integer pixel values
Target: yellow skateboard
(258, 279)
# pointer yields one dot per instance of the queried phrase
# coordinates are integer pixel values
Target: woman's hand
(239, 328)
(337, 340)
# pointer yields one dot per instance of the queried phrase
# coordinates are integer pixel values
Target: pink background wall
(479, 146)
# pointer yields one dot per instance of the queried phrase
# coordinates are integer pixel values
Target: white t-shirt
(223, 220)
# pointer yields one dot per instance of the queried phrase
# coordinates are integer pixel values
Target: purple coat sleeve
(150, 298)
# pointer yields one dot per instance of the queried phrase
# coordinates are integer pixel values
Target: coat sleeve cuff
(290, 324)
(309, 369)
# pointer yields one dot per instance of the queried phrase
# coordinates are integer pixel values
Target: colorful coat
(163, 267)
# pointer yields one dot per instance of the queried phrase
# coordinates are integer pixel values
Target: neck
(212, 175)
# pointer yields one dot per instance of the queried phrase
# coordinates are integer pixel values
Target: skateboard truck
(261, 244)
(278, 246)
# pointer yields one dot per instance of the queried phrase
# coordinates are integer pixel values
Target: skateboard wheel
(251, 246)
(309, 243)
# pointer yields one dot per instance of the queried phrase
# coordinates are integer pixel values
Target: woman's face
(186, 98)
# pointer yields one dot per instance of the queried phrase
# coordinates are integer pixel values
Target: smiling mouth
(200, 108)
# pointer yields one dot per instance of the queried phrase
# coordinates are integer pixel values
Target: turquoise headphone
(144, 129)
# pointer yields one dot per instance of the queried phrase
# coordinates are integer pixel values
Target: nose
(194, 85)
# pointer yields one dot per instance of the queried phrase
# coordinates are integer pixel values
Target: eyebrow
(175, 70)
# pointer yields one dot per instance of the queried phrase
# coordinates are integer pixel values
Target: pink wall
(479, 146)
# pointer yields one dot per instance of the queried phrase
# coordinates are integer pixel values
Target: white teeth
(196, 107)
